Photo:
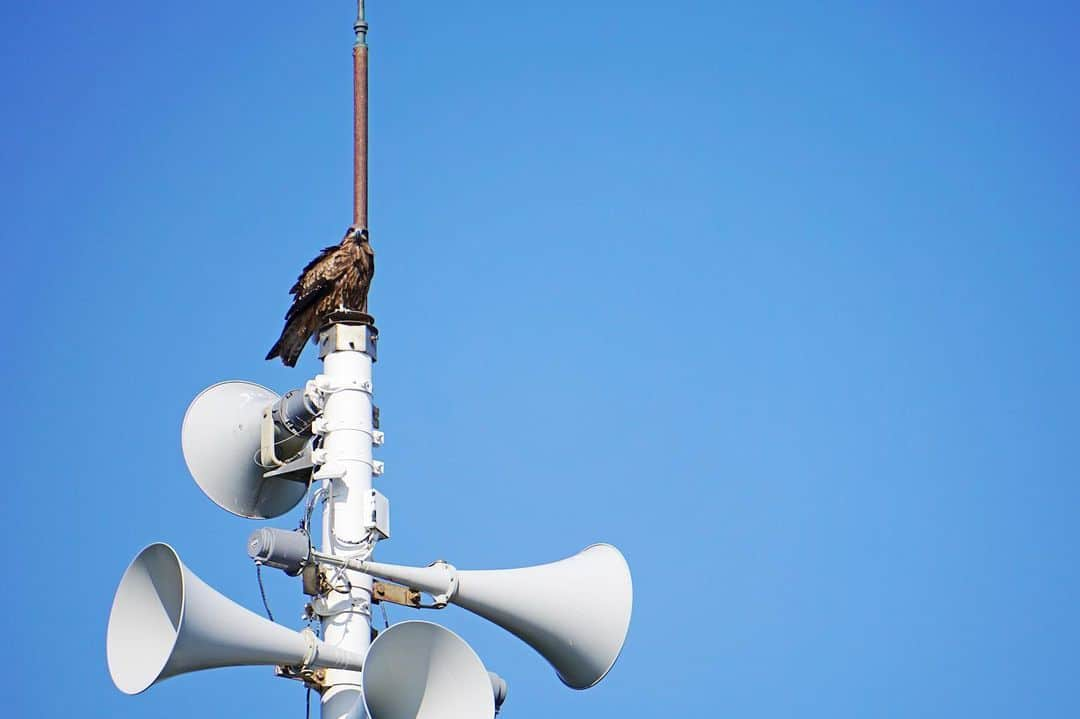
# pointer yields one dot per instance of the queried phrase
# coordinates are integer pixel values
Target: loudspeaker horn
(166, 621)
(420, 670)
(574, 612)
(221, 438)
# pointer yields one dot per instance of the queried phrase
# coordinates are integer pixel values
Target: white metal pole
(348, 353)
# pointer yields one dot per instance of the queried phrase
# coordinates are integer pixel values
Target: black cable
(262, 591)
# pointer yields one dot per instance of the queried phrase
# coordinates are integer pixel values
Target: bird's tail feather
(289, 352)
(292, 352)
(274, 351)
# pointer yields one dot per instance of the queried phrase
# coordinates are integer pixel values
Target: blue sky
(780, 298)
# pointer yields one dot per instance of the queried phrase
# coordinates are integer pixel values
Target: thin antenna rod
(360, 120)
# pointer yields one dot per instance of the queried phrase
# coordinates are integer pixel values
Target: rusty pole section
(360, 120)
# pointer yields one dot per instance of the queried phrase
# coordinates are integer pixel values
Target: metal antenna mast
(360, 120)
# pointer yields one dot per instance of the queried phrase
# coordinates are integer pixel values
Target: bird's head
(356, 234)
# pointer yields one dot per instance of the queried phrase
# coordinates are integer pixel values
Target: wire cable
(305, 523)
(262, 591)
(257, 457)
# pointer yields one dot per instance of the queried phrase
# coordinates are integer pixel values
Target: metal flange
(341, 337)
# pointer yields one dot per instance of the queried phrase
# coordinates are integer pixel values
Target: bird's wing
(328, 265)
(321, 257)
(313, 293)
(319, 277)
(367, 259)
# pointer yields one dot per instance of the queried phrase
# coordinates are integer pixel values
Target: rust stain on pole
(360, 135)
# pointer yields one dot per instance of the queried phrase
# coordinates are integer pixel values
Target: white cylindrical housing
(347, 413)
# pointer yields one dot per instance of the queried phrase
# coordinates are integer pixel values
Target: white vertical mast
(348, 352)
(346, 427)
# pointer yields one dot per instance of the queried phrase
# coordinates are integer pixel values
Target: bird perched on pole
(338, 279)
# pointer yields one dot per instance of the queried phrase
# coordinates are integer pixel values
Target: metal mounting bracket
(312, 678)
(295, 470)
(348, 338)
(268, 441)
(395, 594)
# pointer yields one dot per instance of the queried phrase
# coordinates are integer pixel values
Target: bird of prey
(338, 279)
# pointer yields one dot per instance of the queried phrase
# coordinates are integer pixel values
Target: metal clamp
(330, 469)
(321, 426)
(312, 394)
(327, 386)
(441, 600)
(357, 605)
(312, 647)
(326, 470)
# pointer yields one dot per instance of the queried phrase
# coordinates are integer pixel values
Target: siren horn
(166, 621)
(232, 435)
(420, 670)
(574, 612)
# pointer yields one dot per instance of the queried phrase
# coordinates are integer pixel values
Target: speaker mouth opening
(618, 615)
(145, 620)
(220, 438)
(420, 670)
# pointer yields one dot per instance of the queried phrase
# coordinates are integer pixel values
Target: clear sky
(780, 298)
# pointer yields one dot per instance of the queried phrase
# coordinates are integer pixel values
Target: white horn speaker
(575, 612)
(419, 670)
(166, 621)
(221, 439)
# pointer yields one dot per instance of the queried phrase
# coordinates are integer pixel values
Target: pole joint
(360, 27)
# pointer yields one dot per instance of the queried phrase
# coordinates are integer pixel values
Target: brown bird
(338, 279)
